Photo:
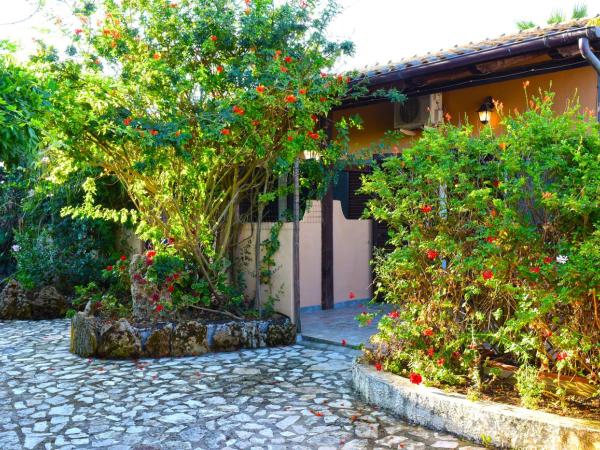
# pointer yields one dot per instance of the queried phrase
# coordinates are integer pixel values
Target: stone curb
(505, 426)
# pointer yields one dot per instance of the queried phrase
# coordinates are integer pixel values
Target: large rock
(189, 339)
(281, 333)
(119, 340)
(48, 304)
(158, 343)
(14, 303)
(227, 337)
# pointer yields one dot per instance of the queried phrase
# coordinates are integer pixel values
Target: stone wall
(91, 336)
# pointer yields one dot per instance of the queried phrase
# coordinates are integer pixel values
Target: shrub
(495, 247)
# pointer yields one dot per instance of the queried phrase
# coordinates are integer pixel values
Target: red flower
(487, 274)
(238, 110)
(288, 59)
(151, 253)
(255, 123)
(548, 260)
(322, 99)
(153, 132)
(428, 332)
(159, 308)
(219, 69)
(490, 239)
(441, 362)
(548, 333)
(122, 268)
(456, 354)
(290, 99)
(155, 297)
(496, 183)
(425, 209)
(344, 342)
(260, 89)
(290, 138)
(314, 117)
(561, 356)
(493, 213)
(283, 69)
(393, 314)
(176, 276)
(78, 31)
(170, 241)
(430, 352)
(415, 378)
(109, 268)
(378, 367)
(213, 38)
(302, 91)
(225, 131)
(535, 269)
(351, 295)
(127, 121)
(313, 135)
(277, 54)
(123, 258)
(171, 288)
(156, 56)
(432, 254)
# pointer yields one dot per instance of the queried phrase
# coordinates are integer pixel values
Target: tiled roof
(459, 51)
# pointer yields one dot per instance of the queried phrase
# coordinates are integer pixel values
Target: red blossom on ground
(393, 314)
(344, 342)
(159, 308)
(127, 121)
(535, 269)
(378, 367)
(415, 378)
(351, 295)
(425, 209)
(432, 254)
(260, 89)
(290, 99)
(487, 274)
(428, 332)
(225, 131)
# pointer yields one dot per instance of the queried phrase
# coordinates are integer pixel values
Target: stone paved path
(284, 398)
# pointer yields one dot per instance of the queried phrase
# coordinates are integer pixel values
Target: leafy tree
(196, 108)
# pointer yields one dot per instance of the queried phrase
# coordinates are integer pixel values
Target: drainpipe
(588, 54)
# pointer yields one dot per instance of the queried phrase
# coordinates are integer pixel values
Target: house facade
(453, 85)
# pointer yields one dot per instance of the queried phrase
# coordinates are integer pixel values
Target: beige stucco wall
(462, 104)
(351, 256)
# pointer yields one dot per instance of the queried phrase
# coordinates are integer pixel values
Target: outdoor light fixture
(485, 110)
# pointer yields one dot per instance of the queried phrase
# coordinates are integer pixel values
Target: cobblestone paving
(283, 398)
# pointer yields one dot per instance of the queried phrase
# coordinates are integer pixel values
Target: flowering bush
(196, 108)
(496, 248)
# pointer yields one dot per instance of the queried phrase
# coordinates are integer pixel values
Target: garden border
(505, 426)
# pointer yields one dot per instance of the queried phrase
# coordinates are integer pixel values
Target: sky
(382, 30)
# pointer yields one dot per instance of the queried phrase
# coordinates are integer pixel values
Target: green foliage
(525, 24)
(529, 386)
(196, 107)
(580, 11)
(496, 245)
(557, 16)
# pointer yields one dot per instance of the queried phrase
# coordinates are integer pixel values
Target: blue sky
(382, 30)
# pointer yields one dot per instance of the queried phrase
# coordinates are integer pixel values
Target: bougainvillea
(196, 108)
(502, 264)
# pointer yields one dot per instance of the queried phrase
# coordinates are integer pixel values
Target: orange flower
(219, 69)
(156, 56)
(283, 69)
(127, 121)
(302, 91)
(502, 145)
(290, 99)
(448, 117)
(547, 195)
(178, 133)
(225, 131)
(213, 38)
(238, 110)
(277, 54)
(260, 89)
(153, 132)
(525, 84)
(288, 59)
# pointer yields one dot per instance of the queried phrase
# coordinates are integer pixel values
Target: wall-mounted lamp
(485, 110)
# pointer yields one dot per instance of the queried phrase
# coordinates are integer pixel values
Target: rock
(48, 303)
(140, 296)
(227, 337)
(158, 343)
(16, 304)
(84, 340)
(281, 333)
(119, 340)
(13, 302)
(189, 339)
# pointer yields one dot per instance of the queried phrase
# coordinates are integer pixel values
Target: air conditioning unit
(417, 112)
